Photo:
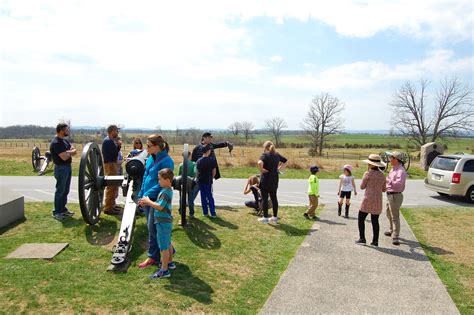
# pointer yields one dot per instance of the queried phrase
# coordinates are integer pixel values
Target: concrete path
(331, 274)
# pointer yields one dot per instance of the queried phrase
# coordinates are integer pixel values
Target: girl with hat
(373, 182)
(346, 186)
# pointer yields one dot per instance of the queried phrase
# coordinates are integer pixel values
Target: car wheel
(470, 195)
(442, 194)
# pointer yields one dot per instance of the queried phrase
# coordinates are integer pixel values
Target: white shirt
(346, 182)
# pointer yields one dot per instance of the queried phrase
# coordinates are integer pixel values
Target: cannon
(386, 159)
(40, 163)
(91, 186)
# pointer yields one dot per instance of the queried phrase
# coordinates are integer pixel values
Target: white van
(452, 175)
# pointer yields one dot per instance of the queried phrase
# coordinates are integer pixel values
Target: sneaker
(315, 218)
(361, 241)
(67, 213)
(387, 233)
(374, 244)
(112, 211)
(396, 241)
(263, 220)
(171, 266)
(148, 262)
(273, 219)
(306, 215)
(213, 216)
(58, 216)
(160, 273)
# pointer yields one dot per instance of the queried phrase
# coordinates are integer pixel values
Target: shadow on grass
(200, 234)
(72, 222)
(431, 249)
(224, 223)
(227, 208)
(12, 225)
(291, 230)
(102, 233)
(185, 283)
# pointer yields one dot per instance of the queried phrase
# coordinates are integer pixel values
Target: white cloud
(366, 74)
(276, 58)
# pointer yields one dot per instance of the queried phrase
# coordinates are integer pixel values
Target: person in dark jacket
(206, 141)
(270, 163)
(110, 152)
(62, 152)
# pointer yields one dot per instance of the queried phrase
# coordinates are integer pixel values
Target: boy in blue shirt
(163, 222)
(206, 170)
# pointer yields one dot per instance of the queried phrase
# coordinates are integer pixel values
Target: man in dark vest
(206, 140)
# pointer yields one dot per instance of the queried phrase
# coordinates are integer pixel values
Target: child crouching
(163, 222)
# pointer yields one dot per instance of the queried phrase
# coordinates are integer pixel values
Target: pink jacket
(374, 184)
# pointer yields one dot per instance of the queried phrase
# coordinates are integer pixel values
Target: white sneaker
(263, 220)
(274, 219)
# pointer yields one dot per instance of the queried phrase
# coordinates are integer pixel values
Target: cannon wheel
(36, 159)
(91, 183)
(184, 186)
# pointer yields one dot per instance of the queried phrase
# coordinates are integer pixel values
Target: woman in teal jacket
(158, 159)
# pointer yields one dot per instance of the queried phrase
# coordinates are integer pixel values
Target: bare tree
(235, 128)
(275, 126)
(247, 128)
(322, 120)
(451, 113)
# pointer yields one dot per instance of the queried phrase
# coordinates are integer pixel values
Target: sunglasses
(149, 146)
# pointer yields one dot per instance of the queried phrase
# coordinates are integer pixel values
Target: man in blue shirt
(110, 153)
(61, 153)
(206, 171)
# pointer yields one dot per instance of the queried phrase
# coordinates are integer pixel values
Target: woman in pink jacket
(373, 182)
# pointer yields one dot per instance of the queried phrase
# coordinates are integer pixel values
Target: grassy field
(241, 164)
(447, 237)
(225, 265)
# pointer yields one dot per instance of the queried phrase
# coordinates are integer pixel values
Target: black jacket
(197, 153)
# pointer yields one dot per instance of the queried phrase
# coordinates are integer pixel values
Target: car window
(444, 163)
(468, 166)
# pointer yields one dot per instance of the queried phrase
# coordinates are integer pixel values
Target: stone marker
(12, 206)
(428, 152)
(38, 250)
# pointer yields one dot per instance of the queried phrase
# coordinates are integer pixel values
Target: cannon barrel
(135, 167)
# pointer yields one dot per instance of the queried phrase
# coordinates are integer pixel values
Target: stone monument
(428, 152)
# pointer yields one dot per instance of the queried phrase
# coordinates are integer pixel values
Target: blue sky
(208, 64)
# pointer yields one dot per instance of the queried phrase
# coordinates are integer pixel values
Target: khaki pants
(110, 169)
(394, 203)
(313, 204)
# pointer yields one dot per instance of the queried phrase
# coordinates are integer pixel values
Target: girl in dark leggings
(373, 182)
(270, 163)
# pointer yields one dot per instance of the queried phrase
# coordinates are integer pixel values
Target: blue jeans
(207, 200)
(62, 173)
(153, 249)
(191, 197)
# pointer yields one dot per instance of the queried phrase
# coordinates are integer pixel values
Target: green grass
(226, 265)
(24, 168)
(447, 237)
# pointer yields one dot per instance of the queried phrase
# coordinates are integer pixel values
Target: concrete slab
(38, 250)
(331, 274)
(12, 206)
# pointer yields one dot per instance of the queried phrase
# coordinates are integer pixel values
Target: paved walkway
(331, 274)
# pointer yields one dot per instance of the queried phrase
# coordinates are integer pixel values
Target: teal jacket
(150, 186)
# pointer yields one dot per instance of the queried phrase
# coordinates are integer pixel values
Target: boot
(347, 211)
(339, 209)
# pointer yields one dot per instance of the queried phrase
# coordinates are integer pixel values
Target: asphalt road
(229, 192)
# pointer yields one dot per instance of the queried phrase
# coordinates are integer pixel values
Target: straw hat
(374, 159)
